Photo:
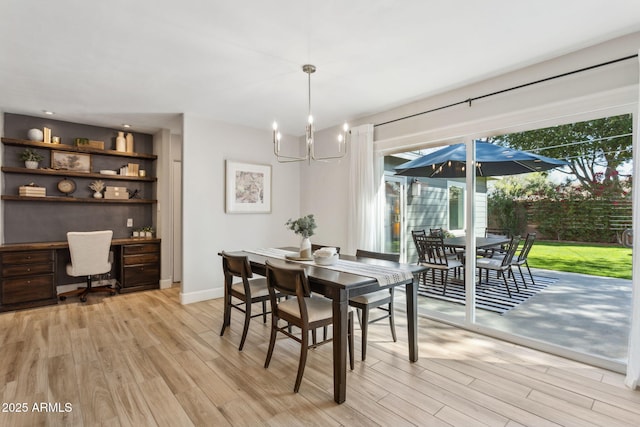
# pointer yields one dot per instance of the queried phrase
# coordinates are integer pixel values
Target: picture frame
(76, 162)
(248, 187)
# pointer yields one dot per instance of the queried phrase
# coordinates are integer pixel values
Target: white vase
(97, 195)
(121, 142)
(30, 164)
(129, 139)
(305, 248)
(35, 135)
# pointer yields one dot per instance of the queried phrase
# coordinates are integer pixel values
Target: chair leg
(226, 320)
(247, 319)
(272, 342)
(444, 275)
(364, 326)
(264, 311)
(304, 348)
(530, 275)
(350, 341)
(524, 282)
(514, 278)
(505, 284)
(392, 323)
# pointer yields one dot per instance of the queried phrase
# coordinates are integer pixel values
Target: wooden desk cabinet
(28, 279)
(29, 272)
(140, 265)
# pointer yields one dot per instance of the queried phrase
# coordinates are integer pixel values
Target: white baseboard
(198, 296)
(166, 283)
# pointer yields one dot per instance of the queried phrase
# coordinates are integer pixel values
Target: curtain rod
(470, 100)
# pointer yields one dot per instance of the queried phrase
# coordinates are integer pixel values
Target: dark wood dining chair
(247, 290)
(501, 265)
(383, 300)
(300, 310)
(436, 257)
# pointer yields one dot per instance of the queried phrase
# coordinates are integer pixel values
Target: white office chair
(89, 256)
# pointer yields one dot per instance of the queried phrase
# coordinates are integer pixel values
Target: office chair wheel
(83, 299)
(62, 298)
(112, 293)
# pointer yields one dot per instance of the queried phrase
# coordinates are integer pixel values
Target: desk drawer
(141, 248)
(142, 259)
(26, 269)
(27, 289)
(141, 275)
(27, 257)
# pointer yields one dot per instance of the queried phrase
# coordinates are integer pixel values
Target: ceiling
(144, 61)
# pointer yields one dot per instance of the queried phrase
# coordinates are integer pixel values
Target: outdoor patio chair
(436, 257)
(521, 258)
(501, 265)
(495, 232)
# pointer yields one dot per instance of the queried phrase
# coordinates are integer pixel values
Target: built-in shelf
(55, 172)
(72, 149)
(62, 199)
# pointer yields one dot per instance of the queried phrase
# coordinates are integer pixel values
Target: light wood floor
(143, 360)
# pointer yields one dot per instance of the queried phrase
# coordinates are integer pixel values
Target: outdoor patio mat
(490, 296)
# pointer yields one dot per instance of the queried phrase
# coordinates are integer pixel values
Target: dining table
(364, 276)
(460, 242)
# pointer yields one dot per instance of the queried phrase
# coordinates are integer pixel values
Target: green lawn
(592, 259)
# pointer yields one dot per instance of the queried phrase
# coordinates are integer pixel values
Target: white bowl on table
(326, 256)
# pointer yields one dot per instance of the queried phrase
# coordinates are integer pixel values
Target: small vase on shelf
(129, 139)
(305, 248)
(121, 142)
(97, 195)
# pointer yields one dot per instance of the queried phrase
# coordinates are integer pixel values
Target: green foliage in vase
(304, 226)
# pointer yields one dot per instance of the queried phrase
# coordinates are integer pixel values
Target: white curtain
(633, 358)
(365, 180)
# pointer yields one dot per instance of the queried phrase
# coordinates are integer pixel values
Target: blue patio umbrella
(491, 160)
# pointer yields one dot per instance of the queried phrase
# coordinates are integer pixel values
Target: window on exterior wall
(456, 207)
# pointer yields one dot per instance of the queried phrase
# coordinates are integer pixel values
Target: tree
(595, 149)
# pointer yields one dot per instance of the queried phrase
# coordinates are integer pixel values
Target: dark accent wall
(26, 221)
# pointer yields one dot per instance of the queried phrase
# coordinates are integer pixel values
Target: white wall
(207, 229)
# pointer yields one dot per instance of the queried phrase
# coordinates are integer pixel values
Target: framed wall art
(77, 162)
(248, 188)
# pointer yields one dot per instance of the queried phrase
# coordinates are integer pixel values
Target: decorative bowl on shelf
(107, 172)
(35, 135)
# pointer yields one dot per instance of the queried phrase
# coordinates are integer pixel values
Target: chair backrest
(360, 253)
(236, 265)
(89, 252)
(511, 249)
(433, 250)
(416, 234)
(315, 247)
(528, 243)
(436, 232)
(496, 232)
(288, 281)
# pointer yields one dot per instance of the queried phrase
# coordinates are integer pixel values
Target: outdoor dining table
(339, 286)
(460, 242)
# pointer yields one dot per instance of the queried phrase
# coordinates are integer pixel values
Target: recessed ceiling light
(124, 125)
(47, 112)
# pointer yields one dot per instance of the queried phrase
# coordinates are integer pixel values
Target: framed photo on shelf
(77, 162)
(248, 188)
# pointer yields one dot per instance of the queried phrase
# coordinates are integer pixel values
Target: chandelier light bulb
(275, 126)
(310, 119)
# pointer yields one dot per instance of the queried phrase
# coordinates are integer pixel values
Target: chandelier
(343, 137)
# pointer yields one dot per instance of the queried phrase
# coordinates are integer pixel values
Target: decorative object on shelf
(55, 140)
(129, 139)
(66, 186)
(248, 188)
(96, 144)
(121, 143)
(32, 190)
(35, 135)
(81, 142)
(343, 137)
(134, 193)
(305, 227)
(31, 158)
(116, 193)
(46, 135)
(97, 187)
(142, 172)
(136, 233)
(77, 162)
(146, 232)
(108, 172)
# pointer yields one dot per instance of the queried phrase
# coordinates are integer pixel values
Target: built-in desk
(30, 272)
